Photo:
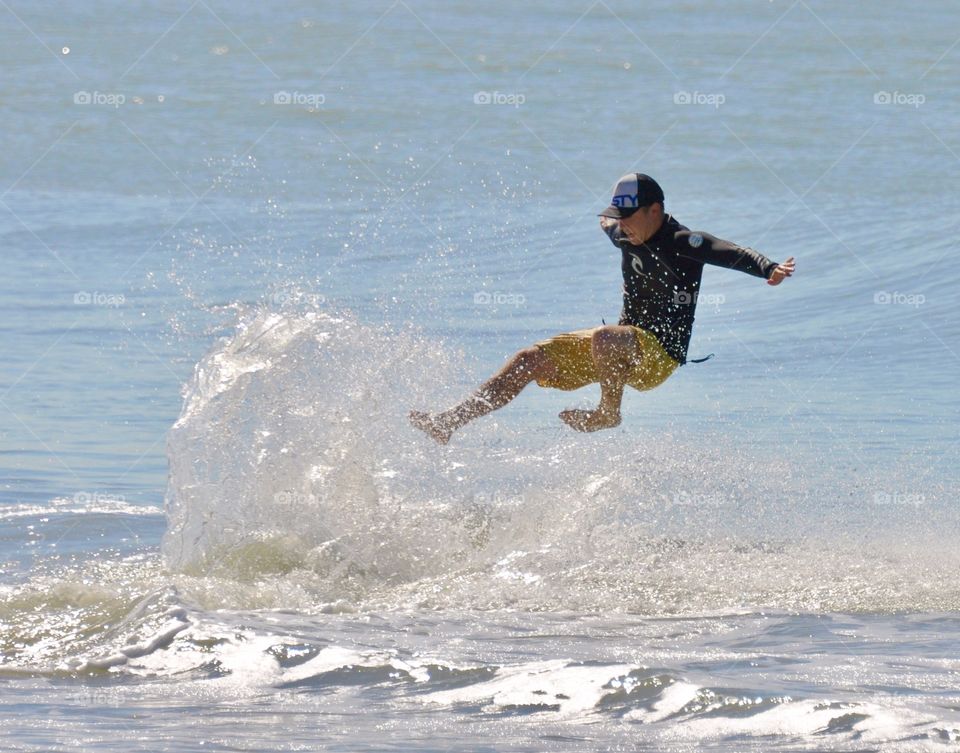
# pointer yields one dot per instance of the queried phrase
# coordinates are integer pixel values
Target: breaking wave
(296, 481)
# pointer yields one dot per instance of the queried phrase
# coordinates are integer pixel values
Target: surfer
(662, 263)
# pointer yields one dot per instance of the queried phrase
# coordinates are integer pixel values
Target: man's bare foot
(589, 420)
(434, 429)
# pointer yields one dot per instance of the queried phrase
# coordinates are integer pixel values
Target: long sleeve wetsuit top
(661, 278)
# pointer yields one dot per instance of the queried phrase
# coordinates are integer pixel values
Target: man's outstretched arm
(712, 250)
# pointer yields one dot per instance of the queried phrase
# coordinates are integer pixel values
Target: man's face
(643, 224)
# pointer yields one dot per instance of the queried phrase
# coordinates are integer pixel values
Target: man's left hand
(782, 271)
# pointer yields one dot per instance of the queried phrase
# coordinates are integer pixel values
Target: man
(662, 263)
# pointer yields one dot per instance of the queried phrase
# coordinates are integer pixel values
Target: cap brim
(617, 213)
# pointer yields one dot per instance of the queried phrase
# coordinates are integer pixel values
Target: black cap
(633, 190)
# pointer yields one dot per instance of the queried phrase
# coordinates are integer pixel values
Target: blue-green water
(269, 226)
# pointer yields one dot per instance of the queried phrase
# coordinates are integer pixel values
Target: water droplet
(66, 50)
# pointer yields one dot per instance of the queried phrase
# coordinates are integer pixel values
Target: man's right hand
(782, 271)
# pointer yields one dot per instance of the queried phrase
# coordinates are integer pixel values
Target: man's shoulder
(683, 237)
(689, 239)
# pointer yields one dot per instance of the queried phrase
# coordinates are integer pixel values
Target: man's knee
(614, 341)
(531, 363)
(529, 359)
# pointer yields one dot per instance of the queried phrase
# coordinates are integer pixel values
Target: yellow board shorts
(572, 354)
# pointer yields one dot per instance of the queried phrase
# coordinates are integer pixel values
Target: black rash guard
(661, 278)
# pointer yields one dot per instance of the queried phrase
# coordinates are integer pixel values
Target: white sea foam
(570, 690)
(297, 481)
(78, 504)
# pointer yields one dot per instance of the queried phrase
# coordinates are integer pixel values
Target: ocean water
(240, 241)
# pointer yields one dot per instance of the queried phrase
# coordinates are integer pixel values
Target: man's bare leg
(523, 367)
(615, 353)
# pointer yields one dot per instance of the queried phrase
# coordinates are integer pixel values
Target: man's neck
(652, 235)
(663, 220)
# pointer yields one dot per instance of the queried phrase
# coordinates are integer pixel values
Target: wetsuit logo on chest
(636, 264)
